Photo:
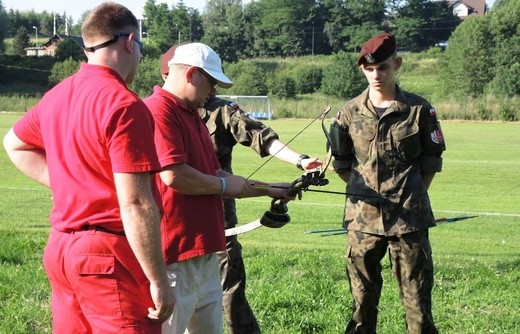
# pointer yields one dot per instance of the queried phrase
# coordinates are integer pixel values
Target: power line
(25, 68)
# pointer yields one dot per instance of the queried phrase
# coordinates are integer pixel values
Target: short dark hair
(106, 20)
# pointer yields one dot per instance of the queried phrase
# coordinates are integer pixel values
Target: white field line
(499, 162)
(478, 213)
(498, 214)
(26, 188)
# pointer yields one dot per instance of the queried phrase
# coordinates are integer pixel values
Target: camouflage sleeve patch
(437, 136)
(234, 105)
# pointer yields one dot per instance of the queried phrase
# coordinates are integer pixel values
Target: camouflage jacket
(229, 125)
(385, 157)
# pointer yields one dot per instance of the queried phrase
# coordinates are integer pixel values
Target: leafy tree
(165, 27)
(252, 18)
(147, 77)
(161, 31)
(4, 22)
(467, 60)
(504, 23)
(224, 28)
(343, 77)
(62, 70)
(420, 24)
(316, 41)
(69, 49)
(21, 41)
(281, 31)
(353, 22)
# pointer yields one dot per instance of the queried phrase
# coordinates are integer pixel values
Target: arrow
(338, 231)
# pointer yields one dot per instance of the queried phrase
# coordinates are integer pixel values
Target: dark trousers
(237, 312)
(412, 265)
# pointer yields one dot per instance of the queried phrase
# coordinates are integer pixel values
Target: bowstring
(323, 113)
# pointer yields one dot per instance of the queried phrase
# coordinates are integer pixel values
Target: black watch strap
(300, 158)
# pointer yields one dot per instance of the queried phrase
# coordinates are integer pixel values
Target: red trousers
(97, 284)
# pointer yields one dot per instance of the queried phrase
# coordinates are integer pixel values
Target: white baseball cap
(201, 55)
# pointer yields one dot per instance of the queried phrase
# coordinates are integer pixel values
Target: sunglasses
(211, 80)
(112, 41)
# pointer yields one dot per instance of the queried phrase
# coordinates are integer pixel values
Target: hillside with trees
(296, 51)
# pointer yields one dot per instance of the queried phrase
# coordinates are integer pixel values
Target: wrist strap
(223, 186)
(300, 158)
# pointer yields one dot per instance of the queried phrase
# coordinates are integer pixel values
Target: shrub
(308, 79)
(507, 113)
(69, 49)
(282, 86)
(248, 79)
(466, 62)
(148, 75)
(483, 112)
(343, 78)
(62, 70)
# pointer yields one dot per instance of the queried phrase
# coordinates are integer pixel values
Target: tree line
(481, 62)
(267, 28)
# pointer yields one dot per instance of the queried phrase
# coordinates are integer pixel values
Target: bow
(321, 115)
(277, 216)
(338, 231)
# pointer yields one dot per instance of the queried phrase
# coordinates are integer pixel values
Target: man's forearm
(29, 160)
(282, 152)
(142, 228)
(189, 181)
(141, 222)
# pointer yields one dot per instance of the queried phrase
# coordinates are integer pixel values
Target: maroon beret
(377, 49)
(166, 57)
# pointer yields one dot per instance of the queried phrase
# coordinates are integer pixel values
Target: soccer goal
(258, 106)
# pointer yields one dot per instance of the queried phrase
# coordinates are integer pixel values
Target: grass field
(296, 281)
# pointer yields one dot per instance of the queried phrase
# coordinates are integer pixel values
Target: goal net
(258, 106)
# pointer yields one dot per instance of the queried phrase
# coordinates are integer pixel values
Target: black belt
(103, 229)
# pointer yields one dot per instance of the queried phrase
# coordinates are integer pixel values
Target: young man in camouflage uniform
(229, 125)
(387, 146)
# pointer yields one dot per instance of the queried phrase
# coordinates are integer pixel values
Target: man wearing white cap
(190, 188)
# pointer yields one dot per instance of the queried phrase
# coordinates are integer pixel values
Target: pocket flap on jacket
(94, 264)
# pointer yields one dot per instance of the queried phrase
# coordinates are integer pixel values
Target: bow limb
(328, 159)
(243, 228)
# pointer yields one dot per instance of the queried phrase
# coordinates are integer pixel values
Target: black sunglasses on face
(211, 80)
(111, 41)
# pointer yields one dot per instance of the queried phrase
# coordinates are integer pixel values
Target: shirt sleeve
(27, 129)
(169, 141)
(129, 133)
(248, 131)
(432, 140)
(340, 144)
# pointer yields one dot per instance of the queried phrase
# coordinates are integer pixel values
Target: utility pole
(313, 38)
(36, 43)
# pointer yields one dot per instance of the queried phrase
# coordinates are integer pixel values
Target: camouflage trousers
(412, 266)
(237, 312)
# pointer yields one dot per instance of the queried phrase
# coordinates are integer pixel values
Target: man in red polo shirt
(90, 140)
(191, 185)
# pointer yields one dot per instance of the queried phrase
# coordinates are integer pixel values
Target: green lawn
(296, 281)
